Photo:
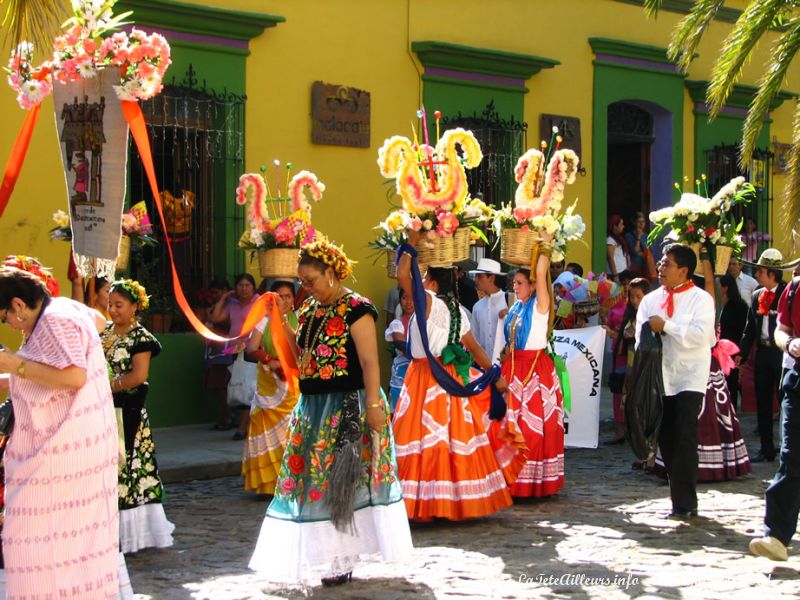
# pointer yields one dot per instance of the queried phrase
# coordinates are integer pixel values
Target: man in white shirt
(684, 315)
(746, 284)
(762, 319)
(490, 281)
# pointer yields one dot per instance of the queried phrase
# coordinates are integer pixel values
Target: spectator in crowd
(233, 307)
(685, 315)
(556, 269)
(467, 292)
(100, 303)
(621, 329)
(217, 372)
(783, 494)
(575, 269)
(491, 282)
(397, 335)
(762, 319)
(636, 241)
(746, 284)
(390, 307)
(60, 506)
(732, 321)
(619, 258)
(753, 238)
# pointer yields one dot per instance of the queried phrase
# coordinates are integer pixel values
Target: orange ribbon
(266, 303)
(14, 164)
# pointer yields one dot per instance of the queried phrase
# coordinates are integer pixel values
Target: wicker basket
(123, 253)
(696, 247)
(278, 262)
(722, 259)
(446, 251)
(516, 246)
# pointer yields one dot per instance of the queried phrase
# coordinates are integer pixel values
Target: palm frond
(791, 203)
(35, 21)
(737, 47)
(652, 7)
(690, 30)
(783, 52)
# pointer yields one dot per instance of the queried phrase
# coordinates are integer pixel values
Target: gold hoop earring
(330, 282)
(20, 319)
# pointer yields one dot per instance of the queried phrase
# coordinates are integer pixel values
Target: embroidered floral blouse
(120, 351)
(328, 357)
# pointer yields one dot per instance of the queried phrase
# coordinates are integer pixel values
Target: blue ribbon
(448, 383)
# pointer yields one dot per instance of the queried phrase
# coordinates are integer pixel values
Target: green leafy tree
(757, 19)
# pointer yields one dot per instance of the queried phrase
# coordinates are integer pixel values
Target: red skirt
(444, 459)
(536, 412)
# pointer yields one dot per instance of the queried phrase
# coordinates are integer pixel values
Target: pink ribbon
(724, 352)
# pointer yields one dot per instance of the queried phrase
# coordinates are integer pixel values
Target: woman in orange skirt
(534, 398)
(445, 461)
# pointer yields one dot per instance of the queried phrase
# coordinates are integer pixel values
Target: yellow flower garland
(135, 289)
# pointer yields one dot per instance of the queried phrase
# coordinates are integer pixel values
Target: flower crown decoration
(134, 289)
(331, 255)
(432, 184)
(430, 178)
(86, 46)
(540, 195)
(696, 218)
(34, 267)
(278, 221)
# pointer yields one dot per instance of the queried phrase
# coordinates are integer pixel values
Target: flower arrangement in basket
(278, 225)
(537, 204)
(87, 45)
(697, 220)
(432, 183)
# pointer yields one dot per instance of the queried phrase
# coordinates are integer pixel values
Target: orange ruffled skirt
(445, 461)
(535, 410)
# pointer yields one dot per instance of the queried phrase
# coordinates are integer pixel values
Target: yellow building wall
(366, 44)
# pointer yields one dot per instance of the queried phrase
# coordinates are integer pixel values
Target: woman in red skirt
(534, 398)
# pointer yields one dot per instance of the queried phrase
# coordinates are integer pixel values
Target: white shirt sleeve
(396, 326)
(700, 331)
(499, 341)
(262, 325)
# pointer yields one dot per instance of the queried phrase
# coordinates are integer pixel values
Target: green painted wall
(451, 96)
(177, 395)
(614, 83)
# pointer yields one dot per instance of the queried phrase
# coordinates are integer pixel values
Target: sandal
(221, 427)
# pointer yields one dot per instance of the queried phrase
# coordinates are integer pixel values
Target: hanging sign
(340, 115)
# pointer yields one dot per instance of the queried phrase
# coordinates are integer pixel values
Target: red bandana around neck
(765, 301)
(669, 302)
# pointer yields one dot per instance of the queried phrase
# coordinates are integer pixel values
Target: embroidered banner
(582, 349)
(93, 138)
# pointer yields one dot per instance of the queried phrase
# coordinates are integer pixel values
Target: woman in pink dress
(61, 531)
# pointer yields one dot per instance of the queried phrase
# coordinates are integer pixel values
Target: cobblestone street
(604, 536)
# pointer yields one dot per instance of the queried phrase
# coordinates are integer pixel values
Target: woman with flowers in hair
(338, 499)
(128, 347)
(61, 532)
(445, 459)
(534, 398)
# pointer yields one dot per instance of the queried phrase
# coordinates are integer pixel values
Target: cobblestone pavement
(604, 536)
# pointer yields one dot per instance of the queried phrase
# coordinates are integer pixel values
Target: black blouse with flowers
(328, 357)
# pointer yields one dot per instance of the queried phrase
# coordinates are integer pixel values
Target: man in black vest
(760, 332)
